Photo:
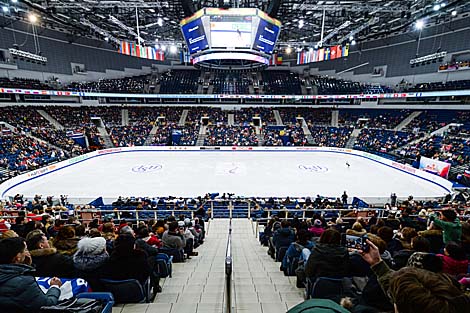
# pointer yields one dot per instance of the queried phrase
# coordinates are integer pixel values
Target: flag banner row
(135, 50)
(276, 59)
(322, 54)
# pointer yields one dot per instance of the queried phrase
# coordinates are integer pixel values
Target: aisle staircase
(201, 136)
(183, 118)
(125, 117)
(352, 139)
(407, 120)
(278, 118)
(51, 120)
(198, 285)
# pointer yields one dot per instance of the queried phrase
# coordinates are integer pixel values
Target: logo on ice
(147, 168)
(313, 168)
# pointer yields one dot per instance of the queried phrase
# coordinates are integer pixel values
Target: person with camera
(415, 290)
(20, 291)
(449, 222)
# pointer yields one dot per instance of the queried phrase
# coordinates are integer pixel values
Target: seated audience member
(139, 242)
(434, 235)
(418, 244)
(454, 259)
(66, 241)
(450, 225)
(126, 262)
(144, 234)
(386, 233)
(317, 228)
(90, 256)
(295, 249)
(328, 257)
(19, 291)
(414, 290)
(284, 236)
(107, 231)
(47, 260)
(356, 230)
(173, 238)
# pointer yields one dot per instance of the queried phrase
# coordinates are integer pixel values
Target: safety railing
(228, 272)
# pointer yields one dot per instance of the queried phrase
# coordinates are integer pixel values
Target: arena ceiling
(159, 19)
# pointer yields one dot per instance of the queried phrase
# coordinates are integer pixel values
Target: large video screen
(195, 36)
(266, 37)
(231, 31)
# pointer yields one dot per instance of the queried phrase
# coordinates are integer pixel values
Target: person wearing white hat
(91, 254)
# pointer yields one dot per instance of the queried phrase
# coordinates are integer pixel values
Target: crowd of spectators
(284, 136)
(39, 245)
(330, 136)
(413, 259)
(130, 136)
(386, 119)
(222, 135)
(382, 140)
(20, 153)
(135, 84)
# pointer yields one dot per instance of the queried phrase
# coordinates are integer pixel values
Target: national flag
(346, 50)
(339, 51)
(333, 52)
(327, 53)
(279, 59)
(321, 54)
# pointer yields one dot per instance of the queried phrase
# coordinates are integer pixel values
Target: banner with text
(434, 166)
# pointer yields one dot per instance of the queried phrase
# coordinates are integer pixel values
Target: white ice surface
(244, 173)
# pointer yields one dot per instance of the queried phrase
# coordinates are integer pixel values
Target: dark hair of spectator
(386, 233)
(285, 224)
(124, 245)
(65, 232)
(421, 244)
(34, 241)
(142, 232)
(19, 219)
(449, 215)
(173, 226)
(80, 230)
(9, 248)
(417, 290)
(455, 251)
(408, 233)
(108, 227)
(303, 236)
(330, 236)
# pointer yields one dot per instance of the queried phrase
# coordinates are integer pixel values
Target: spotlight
(32, 18)
(301, 23)
(353, 43)
(443, 4)
(454, 13)
(288, 50)
(163, 47)
(5, 9)
(160, 22)
(419, 24)
(173, 49)
(351, 38)
(299, 49)
(14, 1)
(157, 46)
(106, 39)
(436, 7)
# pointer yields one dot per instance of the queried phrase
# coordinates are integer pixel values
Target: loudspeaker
(188, 7)
(273, 8)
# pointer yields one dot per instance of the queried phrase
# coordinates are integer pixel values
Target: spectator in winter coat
(284, 236)
(20, 292)
(328, 258)
(295, 249)
(66, 241)
(126, 262)
(90, 256)
(454, 259)
(450, 225)
(173, 238)
(47, 260)
(317, 228)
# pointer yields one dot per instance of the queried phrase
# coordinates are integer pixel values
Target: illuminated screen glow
(231, 56)
(231, 31)
(266, 37)
(195, 36)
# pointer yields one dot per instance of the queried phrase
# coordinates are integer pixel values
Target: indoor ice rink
(263, 172)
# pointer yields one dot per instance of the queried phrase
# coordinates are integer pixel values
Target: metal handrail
(228, 271)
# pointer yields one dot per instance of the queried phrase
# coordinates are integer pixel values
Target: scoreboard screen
(266, 37)
(195, 36)
(231, 31)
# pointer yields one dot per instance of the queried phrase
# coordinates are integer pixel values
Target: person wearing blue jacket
(284, 236)
(295, 249)
(20, 293)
